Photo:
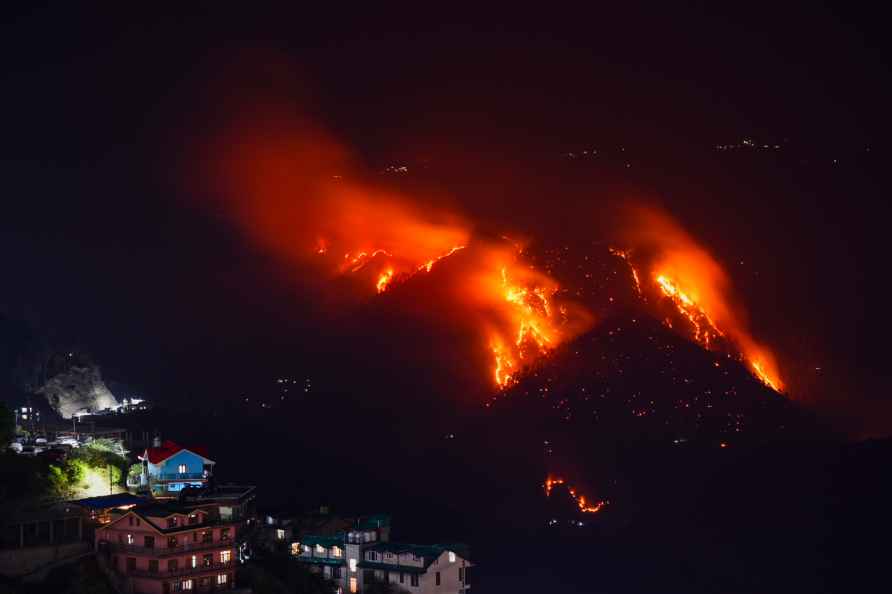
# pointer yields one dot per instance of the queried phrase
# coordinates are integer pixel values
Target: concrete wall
(18, 562)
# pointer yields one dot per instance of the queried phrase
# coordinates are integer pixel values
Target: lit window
(336, 552)
(130, 539)
(353, 585)
(222, 578)
(181, 469)
(194, 560)
(295, 548)
(320, 550)
(451, 557)
(352, 565)
(280, 534)
(225, 556)
(187, 584)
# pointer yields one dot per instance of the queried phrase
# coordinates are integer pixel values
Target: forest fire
(704, 327)
(624, 255)
(427, 266)
(580, 500)
(530, 326)
(688, 277)
(384, 280)
(275, 175)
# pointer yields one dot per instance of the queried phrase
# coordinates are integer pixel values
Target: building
(27, 418)
(169, 467)
(162, 548)
(36, 537)
(364, 555)
(105, 508)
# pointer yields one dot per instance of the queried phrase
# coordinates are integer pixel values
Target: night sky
(107, 239)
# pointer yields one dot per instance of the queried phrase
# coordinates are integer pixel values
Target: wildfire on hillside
(277, 177)
(581, 502)
(687, 276)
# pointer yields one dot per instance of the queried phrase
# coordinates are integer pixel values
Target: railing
(161, 551)
(175, 476)
(312, 557)
(181, 571)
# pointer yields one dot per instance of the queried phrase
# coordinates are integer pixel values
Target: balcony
(162, 551)
(179, 476)
(181, 571)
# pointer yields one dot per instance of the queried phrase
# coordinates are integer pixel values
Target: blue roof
(107, 501)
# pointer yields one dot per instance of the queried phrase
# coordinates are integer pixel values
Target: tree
(134, 472)
(103, 454)
(57, 480)
(7, 426)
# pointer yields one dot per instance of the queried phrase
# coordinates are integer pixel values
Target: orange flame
(693, 281)
(625, 256)
(384, 280)
(704, 327)
(580, 500)
(277, 177)
(531, 327)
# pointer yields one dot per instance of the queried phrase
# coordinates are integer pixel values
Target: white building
(364, 556)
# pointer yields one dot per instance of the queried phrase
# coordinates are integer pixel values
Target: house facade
(168, 468)
(359, 558)
(158, 549)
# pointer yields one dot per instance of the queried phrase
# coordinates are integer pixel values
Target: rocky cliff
(77, 388)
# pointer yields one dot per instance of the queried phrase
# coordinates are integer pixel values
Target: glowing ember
(625, 256)
(579, 500)
(550, 482)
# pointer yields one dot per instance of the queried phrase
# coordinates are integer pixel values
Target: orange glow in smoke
(299, 194)
(427, 266)
(625, 256)
(704, 327)
(686, 275)
(580, 500)
(524, 298)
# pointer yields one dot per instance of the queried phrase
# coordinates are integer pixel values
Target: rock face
(78, 388)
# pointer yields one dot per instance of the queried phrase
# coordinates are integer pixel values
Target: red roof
(169, 448)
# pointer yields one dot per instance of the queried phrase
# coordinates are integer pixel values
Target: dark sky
(99, 240)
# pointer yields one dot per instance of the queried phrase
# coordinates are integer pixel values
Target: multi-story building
(364, 555)
(162, 548)
(169, 467)
(27, 417)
